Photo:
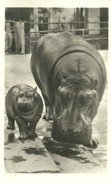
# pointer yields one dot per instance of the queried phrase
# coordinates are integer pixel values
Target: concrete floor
(17, 70)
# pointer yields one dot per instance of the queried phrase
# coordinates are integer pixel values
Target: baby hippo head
(26, 99)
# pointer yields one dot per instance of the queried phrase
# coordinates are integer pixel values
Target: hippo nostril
(76, 133)
(23, 103)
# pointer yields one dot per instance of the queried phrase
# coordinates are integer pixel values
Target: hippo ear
(35, 88)
(35, 92)
(64, 76)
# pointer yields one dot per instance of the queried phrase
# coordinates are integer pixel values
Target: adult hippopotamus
(71, 75)
(24, 105)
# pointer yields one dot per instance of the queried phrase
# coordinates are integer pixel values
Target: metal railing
(87, 30)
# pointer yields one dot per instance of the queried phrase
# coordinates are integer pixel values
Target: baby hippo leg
(11, 124)
(32, 127)
(23, 128)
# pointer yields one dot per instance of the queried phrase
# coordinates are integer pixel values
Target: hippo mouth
(24, 107)
(78, 132)
(80, 137)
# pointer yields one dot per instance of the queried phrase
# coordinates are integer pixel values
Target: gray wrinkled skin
(71, 75)
(23, 105)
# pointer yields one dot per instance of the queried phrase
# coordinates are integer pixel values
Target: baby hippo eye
(20, 95)
(30, 96)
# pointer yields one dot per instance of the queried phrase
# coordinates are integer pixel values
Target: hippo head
(76, 106)
(25, 99)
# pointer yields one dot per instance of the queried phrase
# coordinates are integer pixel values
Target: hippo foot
(23, 137)
(9, 127)
(93, 144)
(48, 117)
(32, 135)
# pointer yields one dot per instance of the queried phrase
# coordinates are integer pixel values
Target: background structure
(23, 26)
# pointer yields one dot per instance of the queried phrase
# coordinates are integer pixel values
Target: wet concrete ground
(17, 70)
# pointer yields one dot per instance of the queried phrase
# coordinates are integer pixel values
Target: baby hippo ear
(35, 92)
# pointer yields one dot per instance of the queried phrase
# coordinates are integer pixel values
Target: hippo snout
(71, 135)
(22, 104)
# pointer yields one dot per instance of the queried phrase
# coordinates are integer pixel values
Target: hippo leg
(11, 124)
(93, 143)
(32, 126)
(48, 115)
(23, 128)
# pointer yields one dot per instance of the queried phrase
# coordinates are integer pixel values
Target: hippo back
(50, 48)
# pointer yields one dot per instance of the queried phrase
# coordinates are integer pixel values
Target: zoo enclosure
(25, 33)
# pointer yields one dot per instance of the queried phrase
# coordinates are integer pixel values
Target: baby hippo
(23, 105)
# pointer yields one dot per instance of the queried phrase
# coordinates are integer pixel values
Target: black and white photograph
(56, 89)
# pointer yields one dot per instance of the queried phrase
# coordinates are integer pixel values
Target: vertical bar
(35, 11)
(22, 38)
(17, 37)
(49, 18)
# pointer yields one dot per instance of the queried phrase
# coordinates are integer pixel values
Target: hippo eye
(30, 96)
(20, 95)
(66, 93)
(84, 100)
